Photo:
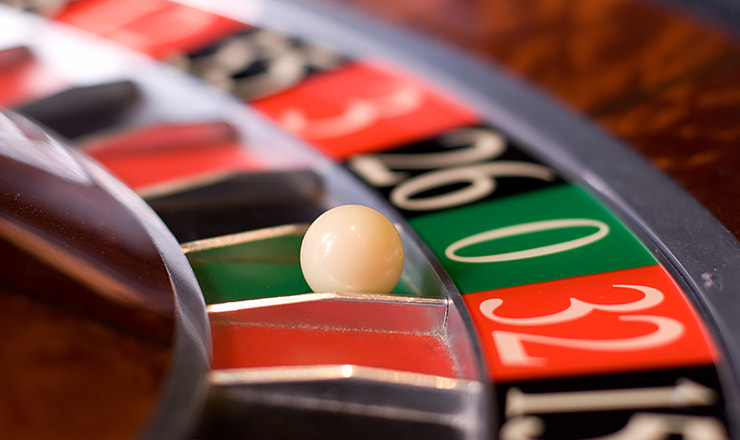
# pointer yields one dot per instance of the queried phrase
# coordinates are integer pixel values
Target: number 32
(510, 345)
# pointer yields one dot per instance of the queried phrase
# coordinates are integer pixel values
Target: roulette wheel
(556, 284)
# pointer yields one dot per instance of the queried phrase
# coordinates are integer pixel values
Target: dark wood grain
(72, 378)
(664, 81)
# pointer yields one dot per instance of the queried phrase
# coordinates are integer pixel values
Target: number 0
(525, 228)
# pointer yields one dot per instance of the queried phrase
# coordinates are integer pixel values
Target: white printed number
(469, 162)
(358, 114)
(602, 230)
(523, 423)
(512, 351)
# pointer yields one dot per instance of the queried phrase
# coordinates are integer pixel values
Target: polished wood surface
(70, 378)
(663, 81)
(87, 303)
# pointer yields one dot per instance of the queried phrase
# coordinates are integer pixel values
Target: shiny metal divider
(367, 312)
(250, 238)
(238, 202)
(340, 401)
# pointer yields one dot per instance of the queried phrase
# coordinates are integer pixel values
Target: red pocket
(361, 108)
(628, 320)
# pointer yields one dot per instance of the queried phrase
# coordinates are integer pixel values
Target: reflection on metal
(244, 238)
(247, 376)
(309, 297)
(178, 186)
(341, 401)
(249, 189)
(362, 312)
